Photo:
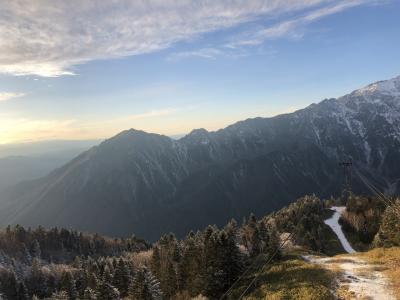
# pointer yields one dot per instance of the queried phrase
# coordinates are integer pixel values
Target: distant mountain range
(149, 184)
(27, 161)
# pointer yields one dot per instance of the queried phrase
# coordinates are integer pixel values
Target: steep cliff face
(149, 184)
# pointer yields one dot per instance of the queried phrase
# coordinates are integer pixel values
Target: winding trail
(359, 279)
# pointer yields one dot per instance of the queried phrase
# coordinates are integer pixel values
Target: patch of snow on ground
(359, 279)
(333, 223)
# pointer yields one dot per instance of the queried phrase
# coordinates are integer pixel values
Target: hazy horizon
(97, 69)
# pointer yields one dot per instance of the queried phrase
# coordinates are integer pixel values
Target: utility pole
(346, 189)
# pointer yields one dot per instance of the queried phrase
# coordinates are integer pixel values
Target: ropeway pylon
(347, 184)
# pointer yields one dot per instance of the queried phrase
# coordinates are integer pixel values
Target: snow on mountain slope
(386, 87)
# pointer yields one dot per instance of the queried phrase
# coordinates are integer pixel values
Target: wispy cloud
(49, 38)
(5, 96)
(293, 28)
(209, 53)
(150, 114)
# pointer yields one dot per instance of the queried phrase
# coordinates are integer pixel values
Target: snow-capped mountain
(149, 184)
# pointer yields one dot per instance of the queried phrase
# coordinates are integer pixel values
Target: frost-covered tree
(122, 277)
(37, 280)
(145, 286)
(35, 249)
(68, 285)
(105, 290)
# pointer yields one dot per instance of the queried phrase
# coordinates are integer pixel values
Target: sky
(90, 69)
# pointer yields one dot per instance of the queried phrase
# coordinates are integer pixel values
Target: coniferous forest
(65, 264)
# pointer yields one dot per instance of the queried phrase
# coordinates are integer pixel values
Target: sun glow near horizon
(169, 122)
(90, 71)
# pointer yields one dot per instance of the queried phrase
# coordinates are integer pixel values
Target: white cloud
(5, 96)
(292, 28)
(48, 38)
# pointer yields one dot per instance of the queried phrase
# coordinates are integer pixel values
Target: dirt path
(358, 279)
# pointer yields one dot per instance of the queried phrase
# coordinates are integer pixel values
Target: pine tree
(264, 236)
(233, 259)
(9, 284)
(35, 249)
(27, 255)
(145, 286)
(155, 263)
(167, 257)
(254, 238)
(169, 279)
(223, 262)
(92, 281)
(389, 231)
(107, 275)
(22, 291)
(153, 285)
(256, 243)
(105, 290)
(51, 284)
(81, 281)
(214, 273)
(37, 281)
(273, 246)
(122, 277)
(68, 285)
(77, 263)
(191, 269)
(137, 290)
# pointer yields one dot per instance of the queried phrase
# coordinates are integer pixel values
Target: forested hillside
(64, 264)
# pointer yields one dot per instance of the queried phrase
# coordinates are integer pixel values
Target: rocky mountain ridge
(150, 184)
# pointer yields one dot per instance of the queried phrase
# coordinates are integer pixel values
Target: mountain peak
(385, 87)
(132, 131)
(133, 134)
(200, 132)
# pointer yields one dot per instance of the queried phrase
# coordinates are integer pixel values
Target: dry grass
(294, 278)
(387, 259)
(142, 258)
